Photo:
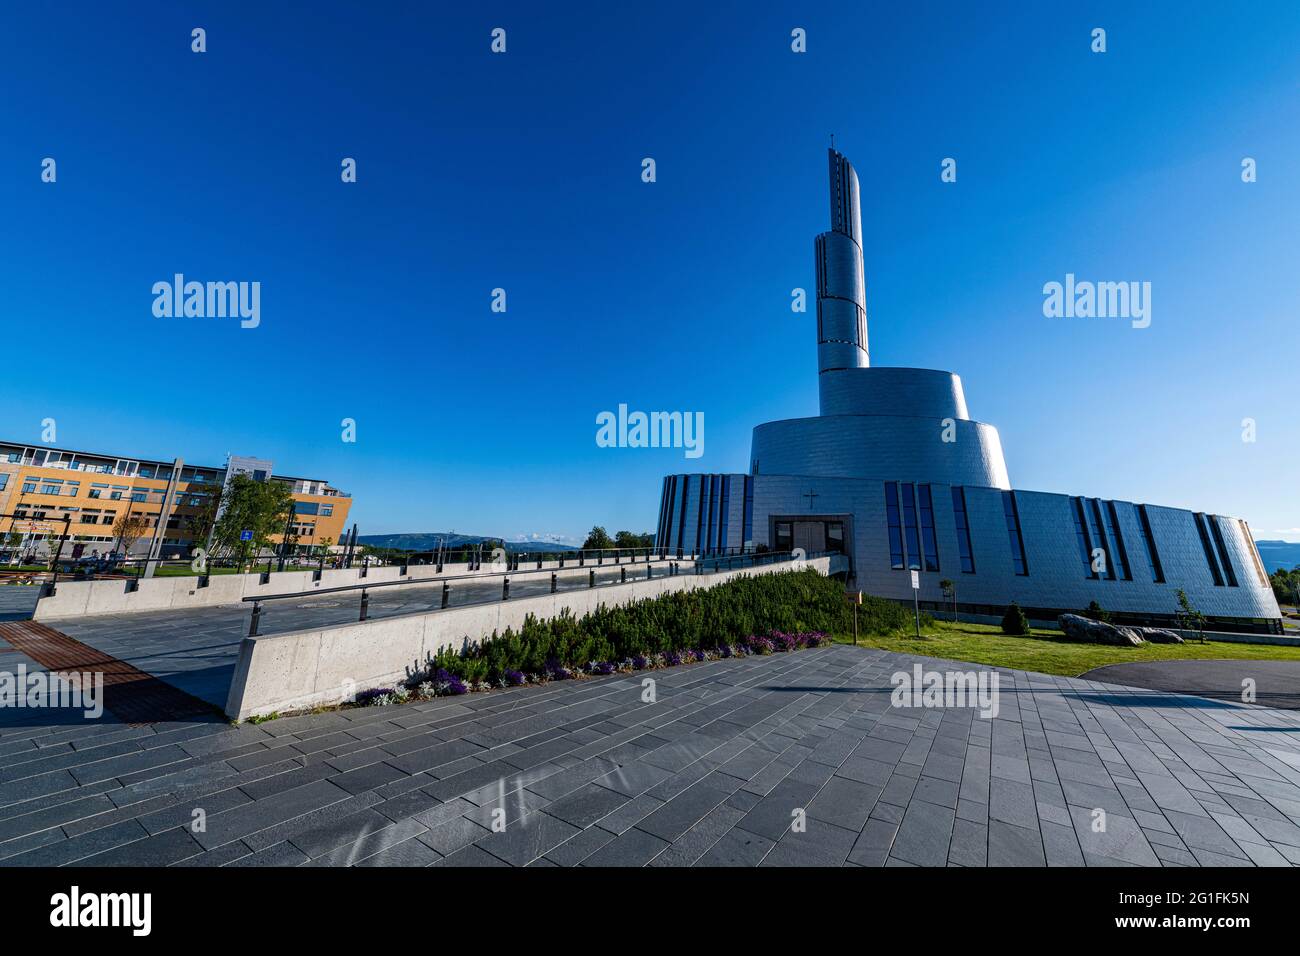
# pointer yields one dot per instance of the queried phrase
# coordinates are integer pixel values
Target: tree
(950, 591)
(1014, 621)
(1096, 613)
(128, 529)
(323, 546)
(1189, 618)
(1286, 585)
(199, 524)
(598, 538)
(630, 539)
(261, 507)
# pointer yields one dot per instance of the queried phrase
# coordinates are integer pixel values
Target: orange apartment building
(41, 485)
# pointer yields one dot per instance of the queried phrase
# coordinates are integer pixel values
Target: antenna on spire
(832, 140)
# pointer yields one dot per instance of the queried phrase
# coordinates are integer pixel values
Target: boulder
(1159, 635)
(1096, 632)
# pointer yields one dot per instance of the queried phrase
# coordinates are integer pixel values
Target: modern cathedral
(895, 474)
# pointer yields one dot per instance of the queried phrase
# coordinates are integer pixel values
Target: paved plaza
(712, 773)
(196, 649)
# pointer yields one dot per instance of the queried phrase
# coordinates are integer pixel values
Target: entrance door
(810, 536)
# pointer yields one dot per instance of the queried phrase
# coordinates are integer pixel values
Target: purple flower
(672, 658)
(605, 667)
(368, 696)
(515, 678)
(640, 663)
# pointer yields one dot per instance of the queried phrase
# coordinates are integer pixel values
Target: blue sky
(522, 171)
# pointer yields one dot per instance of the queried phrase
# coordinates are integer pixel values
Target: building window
(907, 492)
(29, 487)
(1081, 534)
(963, 530)
(723, 508)
(895, 525)
(1117, 540)
(784, 536)
(1149, 540)
(1017, 540)
(928, 542)
(1208, 549)
(747, 532)
(4, 482)
(681, 520)
(1099, 536)
(1222, 548)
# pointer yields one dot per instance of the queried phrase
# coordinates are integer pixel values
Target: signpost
(854, 598)
(916, 601)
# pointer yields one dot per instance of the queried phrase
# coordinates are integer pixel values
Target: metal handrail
(700, 563)
(448, 578)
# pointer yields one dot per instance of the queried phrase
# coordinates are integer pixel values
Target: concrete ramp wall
(302, 669)
(111, 596)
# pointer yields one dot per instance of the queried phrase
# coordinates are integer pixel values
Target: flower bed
(444, 684)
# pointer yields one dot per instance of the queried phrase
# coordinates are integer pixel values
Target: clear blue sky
(523, 171)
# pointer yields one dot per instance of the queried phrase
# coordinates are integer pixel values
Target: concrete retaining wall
(301, 669)
(81, 598)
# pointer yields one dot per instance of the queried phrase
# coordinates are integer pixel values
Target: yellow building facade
(41, 485)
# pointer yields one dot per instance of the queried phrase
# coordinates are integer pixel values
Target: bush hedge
(672, 627)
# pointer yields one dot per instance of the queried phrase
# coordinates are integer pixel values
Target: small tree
(1014, 621)
(51, 547)
(1096, 613)
(598, 538)
(1189, 618)
(950, 592)
(128, 529)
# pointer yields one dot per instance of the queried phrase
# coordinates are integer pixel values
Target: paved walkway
(1277, 683)
(17, 603)
(712, 773)
(196, 649)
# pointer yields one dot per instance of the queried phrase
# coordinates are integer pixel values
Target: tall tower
(841, 284)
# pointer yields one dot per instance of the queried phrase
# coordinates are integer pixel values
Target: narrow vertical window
(1210, 559)
(908, 493)
(747, 532)
(1222, 548)
(1081, 535)
(681, 519)
(895, 525)
(963, 530)
(1149, 540)
(723, 517)
(928, 543)
(1117, 540)
(1014, 536)
(1099, 536)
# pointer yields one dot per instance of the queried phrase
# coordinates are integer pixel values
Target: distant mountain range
(428, 541)
(1279, 554)
(1275, 554)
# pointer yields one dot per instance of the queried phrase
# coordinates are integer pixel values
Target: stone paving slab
(788, 760)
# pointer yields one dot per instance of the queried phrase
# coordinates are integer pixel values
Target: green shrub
(1014, 621)
(1096, 613)
(794, 601)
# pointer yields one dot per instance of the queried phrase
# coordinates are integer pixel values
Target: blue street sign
(245, 536)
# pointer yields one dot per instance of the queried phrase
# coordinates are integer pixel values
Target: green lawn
(1049, 653)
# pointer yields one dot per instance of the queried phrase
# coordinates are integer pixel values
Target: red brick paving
(130, 694)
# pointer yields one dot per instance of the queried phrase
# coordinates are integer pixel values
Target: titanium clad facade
(896, 474)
